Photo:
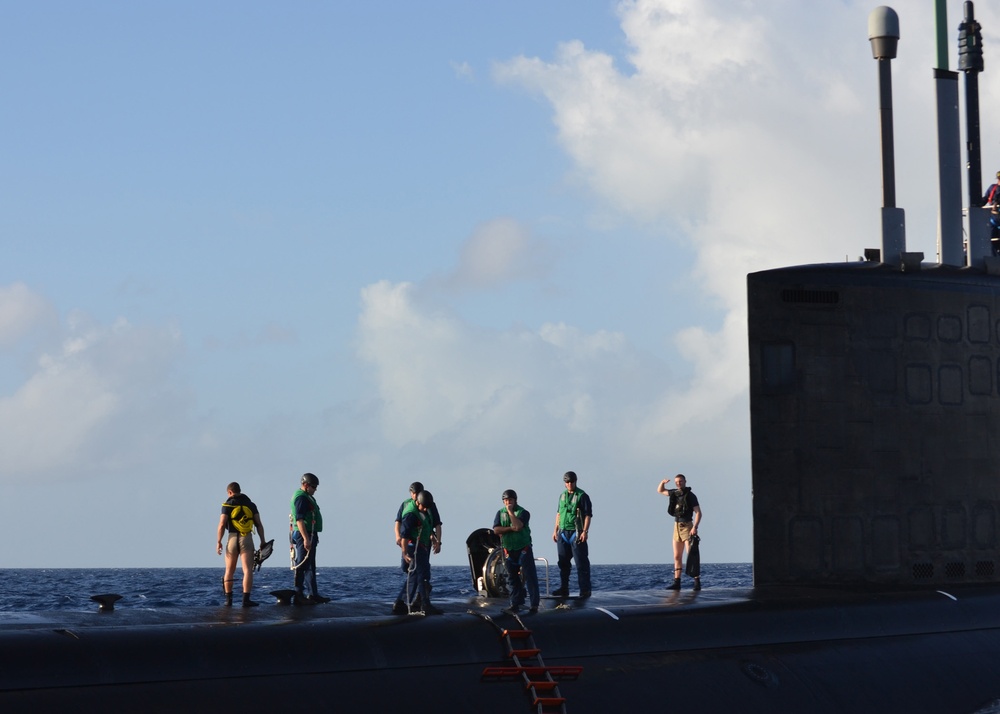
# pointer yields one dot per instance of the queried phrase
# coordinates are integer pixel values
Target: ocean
(69, 589)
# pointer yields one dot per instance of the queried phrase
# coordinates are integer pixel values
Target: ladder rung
(568, 672)
(516, 634)
(548, 702)
(542, 685)
(535, 671)
(533, 652)
(502, 672)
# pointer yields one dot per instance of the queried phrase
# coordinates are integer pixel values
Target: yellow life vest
(241, 517)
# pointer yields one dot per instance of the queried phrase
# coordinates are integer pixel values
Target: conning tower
(875, 405)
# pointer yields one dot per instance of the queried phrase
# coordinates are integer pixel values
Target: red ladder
(540, 682)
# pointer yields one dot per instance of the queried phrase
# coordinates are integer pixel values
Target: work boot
(561, 592)
(399, 608)
(676, 585)
(428, 608)
(299, 600)
(697, 583)
(229, 599)
(320, 599)
(247, 602)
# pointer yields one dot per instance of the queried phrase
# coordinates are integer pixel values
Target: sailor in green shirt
(511, 524)
(571, 535)
(306, 525)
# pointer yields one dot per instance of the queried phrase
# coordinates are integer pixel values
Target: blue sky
(472, 244)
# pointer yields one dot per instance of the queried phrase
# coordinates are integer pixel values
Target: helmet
(509, 493)
(569, 477)
(310, 480)
(424, 498)
(416, 487)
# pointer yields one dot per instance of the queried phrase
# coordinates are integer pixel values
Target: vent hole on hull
(954, 570)
(815, 297)
(922, 571)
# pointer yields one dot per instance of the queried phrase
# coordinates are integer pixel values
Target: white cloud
(664, 143)
(21, 311)
(679, 46)
(498, 252)
(718, 129)
(463, 70)
(91, 403)
(475, 410)
(437, 374)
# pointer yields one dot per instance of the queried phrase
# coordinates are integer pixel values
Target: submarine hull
(750, 651)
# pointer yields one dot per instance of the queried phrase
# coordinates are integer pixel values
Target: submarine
(875, 445)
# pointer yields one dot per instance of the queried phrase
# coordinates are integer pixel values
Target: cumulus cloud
(92, 400)
(696, 133)
(677, 46)
(438, 374)
(473, 410)
(713, 127)
(749, 132)
(22, 311)
(498, 252)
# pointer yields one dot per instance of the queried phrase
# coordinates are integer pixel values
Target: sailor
(417, 537)
(306, 525)
(991, 200)
(686, 511)
(992, 195)
(511, 524)
(573, 514)
(240, 516)
(416, 487)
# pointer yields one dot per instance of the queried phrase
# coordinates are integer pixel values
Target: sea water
(32, 589)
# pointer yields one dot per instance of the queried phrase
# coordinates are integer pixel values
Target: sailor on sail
(685, 509)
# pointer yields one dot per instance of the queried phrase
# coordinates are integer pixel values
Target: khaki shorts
(682, 531)
(240, 544)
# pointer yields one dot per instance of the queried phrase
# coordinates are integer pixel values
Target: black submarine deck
(780, 649)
